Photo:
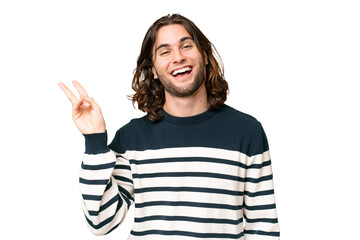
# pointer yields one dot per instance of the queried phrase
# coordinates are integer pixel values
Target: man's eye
(164, 53)
(187, 46)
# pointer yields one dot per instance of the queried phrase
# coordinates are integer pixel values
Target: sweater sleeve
(106, 185)
(261, 222)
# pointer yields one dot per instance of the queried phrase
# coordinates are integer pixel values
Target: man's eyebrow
(186, 38)
(161, 46)
(167, 45)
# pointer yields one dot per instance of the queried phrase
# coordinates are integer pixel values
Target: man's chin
(183, 91)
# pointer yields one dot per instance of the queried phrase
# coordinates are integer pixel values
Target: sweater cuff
(96, 143)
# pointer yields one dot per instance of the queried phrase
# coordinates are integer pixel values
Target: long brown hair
(149, 92)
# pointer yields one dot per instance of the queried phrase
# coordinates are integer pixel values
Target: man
(193, 166)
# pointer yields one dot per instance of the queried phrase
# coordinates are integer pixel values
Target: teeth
(181, 70)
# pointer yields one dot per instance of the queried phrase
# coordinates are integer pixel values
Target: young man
(194, 167)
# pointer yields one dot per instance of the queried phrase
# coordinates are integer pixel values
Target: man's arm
(105, 184)
(261, 220)
(105, 179)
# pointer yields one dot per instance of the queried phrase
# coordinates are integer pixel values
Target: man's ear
(205, 58)
(154, 72)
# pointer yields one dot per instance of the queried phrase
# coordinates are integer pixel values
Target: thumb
(91, 102)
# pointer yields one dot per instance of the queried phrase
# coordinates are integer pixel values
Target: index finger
(67, 92)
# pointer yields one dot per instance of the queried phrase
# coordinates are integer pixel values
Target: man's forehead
(170, 34)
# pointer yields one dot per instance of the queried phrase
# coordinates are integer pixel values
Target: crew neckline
(188, 120)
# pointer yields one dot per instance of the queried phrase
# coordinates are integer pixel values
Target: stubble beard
(175, 91)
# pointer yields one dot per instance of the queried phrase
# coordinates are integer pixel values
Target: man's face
(178, 64)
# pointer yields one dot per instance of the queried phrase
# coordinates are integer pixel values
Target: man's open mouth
(181, 71)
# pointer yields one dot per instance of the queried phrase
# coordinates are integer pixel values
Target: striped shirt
(207, 176)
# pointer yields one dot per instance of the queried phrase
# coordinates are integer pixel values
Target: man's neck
(187, 106)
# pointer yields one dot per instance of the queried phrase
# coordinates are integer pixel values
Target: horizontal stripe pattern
(192, 192)
(202, 175)
(257, 232)
(200, 159)
(199, 152)
(189, 219)
(189, 189)
(188, 234)
(189, 204)
(186, 172)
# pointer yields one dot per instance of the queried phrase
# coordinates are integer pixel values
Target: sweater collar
(188, 120)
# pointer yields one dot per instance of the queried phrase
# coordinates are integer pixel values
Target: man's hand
(86, 114)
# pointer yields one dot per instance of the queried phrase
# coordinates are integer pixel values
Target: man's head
(177, 62)
(176, 57)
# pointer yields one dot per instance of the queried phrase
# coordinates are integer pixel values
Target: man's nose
(178, 56)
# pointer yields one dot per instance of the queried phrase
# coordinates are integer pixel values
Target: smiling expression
(177, 62)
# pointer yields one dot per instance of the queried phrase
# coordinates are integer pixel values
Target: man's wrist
(96, 143)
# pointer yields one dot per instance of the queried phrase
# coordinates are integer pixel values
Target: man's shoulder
(233, 116)
(136, 124)
(244, 129)
(127, 136)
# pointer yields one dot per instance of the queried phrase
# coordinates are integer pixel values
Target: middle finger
(79, 88)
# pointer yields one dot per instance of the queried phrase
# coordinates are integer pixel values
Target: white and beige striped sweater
(203, 177)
